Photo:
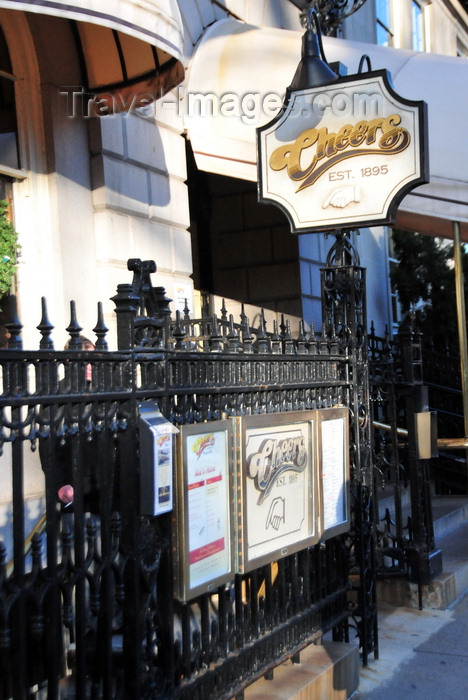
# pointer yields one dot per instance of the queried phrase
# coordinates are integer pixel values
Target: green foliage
(8, 250)
(425, 281)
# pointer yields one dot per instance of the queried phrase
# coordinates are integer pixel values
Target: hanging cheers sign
(343, 155)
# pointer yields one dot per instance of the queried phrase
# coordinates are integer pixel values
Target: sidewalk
(423, 655)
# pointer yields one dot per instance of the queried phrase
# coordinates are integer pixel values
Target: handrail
(402, 432)
(452, 443)
(445, 443)
(38, 529)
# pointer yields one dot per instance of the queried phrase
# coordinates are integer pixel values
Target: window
(8, 126)
(395, 312)
(417, 26)
(383, 16)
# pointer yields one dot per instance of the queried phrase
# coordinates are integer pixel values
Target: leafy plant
(8, 250)
(425, 281)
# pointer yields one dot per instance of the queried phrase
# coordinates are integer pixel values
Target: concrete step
(328, 671)
(450, 515)
(448, 511)
(386, 501)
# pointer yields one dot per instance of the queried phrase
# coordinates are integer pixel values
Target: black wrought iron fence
(90, 611)
(443, 378)
(403, 479)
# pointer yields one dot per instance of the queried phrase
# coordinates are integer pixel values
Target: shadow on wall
(128, 161)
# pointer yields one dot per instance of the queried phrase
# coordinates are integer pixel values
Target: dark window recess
(241, 249)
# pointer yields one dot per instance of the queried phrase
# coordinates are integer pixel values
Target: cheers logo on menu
(203, 443)
(273, 458)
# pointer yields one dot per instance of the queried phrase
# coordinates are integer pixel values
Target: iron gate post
(126, 306)
(424, 560)
(344, 308)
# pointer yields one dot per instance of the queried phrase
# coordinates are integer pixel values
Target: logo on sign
(384, 135)
(333, 168)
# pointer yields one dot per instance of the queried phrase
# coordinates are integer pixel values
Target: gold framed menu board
(205, 487)
(333, 445)
(278, 508)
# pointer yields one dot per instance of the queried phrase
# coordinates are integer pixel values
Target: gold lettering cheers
(331, 148)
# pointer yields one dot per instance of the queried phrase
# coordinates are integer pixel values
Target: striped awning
(126, 46)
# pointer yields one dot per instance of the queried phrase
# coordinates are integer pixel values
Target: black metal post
(344, 309)
(126, 306)
(425, 561)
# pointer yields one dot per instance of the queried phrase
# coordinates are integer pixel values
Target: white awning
(126, 46)
(237, 78)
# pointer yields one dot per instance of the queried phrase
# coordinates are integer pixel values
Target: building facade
(88, 191)
(105, 156)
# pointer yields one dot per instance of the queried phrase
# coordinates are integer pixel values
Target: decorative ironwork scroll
(332, 13)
